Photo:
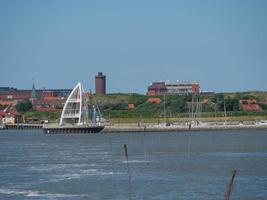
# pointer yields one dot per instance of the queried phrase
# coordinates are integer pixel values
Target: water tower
(100, 83)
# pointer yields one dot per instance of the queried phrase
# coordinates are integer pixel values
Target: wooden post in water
(128, 170)
(230, 187)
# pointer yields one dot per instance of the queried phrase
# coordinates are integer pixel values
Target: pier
(118, 128)
(71, 129)
(121, 128)
(23, 126)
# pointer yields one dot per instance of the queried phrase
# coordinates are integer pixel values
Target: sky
(220, 44)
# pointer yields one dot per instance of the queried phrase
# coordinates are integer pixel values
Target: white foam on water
(58, 195)
(70, 176)
(12, 192)
(31, 193)
(136, 161)
(98, 153)
(95, 172)
(53, 167)
(80, 174)
(89, 171)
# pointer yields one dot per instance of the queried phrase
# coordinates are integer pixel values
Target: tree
(218, 99)
(23, 106)
(178, 105)
(248, 97)
(231, 104)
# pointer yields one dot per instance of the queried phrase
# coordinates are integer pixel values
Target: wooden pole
(128, 170)
(230, 187)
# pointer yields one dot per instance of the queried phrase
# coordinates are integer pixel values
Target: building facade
(178, 88)
(100, 84)
(157, 88)
(42, 100)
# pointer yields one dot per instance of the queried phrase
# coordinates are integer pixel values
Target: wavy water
(182, 165)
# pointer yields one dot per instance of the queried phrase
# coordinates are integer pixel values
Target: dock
(71, 129)
(177, 128)
(120, 128)
(23, 126)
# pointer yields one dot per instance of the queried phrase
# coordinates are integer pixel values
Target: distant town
(180, 98)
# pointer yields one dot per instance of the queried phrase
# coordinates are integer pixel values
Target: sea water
(166, 165)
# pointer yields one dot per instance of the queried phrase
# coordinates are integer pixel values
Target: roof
(154, 100)
(8, 102)
(10, 111)
(248, 101)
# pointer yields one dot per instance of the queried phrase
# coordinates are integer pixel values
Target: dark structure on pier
(100, 83)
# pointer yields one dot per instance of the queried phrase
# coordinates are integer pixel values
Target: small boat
(75, 115)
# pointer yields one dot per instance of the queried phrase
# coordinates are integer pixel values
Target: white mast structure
(75, 110)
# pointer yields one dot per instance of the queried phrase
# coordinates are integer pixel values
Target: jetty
(22, 126)
(133, 127)
(118, 128)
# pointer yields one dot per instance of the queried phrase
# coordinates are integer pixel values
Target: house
(130, 106)
(8, 102)
(178, 88)
(154, 100)
(249, 105)
(49, 104)
(10, 115)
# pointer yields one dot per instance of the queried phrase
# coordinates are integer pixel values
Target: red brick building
(46, 100)
(250, 105)
(157, 88)
(100, 83)
(178, 88)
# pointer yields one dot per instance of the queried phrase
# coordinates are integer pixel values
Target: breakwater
(118, 128)
(175, 128)
(23, 126)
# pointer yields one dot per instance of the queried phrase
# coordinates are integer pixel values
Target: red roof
(54, 98)
(17, 96)
(131, 106)
(2, 113)
(250, 105)
(248, 101)
(8, 102)
(10, 111)
(154, 100)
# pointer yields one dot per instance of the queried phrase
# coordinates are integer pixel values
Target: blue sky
(221, 44)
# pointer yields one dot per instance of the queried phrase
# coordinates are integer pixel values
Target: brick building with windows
(178, 88)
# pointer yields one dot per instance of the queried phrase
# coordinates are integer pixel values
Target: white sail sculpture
(75, 110)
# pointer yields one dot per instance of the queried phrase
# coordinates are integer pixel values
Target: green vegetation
(42, 116)
(114, 107)
(23, 106)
